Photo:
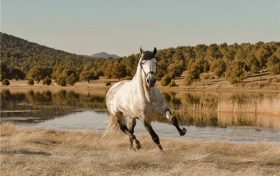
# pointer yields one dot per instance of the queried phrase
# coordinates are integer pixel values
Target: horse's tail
(112, 128)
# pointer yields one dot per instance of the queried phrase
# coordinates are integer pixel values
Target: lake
(232, 116)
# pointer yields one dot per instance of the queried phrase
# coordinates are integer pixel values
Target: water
(228, 116)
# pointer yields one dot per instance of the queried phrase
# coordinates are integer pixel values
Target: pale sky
(122, 26)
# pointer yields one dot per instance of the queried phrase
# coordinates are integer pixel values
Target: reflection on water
(198, 109)
(227, 109)
(98, 121)
(37, 106)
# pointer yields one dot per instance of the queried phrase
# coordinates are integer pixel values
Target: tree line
(21, 59)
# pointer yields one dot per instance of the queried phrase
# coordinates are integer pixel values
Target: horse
(139, 99)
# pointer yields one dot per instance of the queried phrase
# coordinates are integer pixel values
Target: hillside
(20, 53)
(104, 55)
(21, 59)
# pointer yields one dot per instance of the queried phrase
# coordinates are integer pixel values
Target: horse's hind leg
(153, 134)
(131, 122)
(124, 128)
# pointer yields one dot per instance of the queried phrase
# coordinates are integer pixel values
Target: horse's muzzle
(151, 80)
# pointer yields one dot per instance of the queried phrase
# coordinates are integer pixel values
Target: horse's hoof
(138, 145)
(183, 131)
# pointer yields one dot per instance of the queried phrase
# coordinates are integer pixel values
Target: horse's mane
(148, 55)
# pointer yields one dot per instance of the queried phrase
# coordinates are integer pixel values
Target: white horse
(139, 99)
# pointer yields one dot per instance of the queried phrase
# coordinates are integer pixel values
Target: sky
(122, 26)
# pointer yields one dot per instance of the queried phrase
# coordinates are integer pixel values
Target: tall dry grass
(227, 109)
(47, 152)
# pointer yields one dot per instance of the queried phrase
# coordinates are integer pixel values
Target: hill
(104, 55)
(21, 59)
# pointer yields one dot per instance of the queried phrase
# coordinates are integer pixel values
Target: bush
(166, 80)
(192, 75)
(273, 64)
(108, 83)
(236, 72)
(218, 67)
(72, 79)
(31, 82)
(61, 81)
(47, 81)
(89, 75)
(172, 83)
(5, 82)
(188, 79)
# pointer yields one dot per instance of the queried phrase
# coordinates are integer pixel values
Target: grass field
(257, 82)
(26, 151)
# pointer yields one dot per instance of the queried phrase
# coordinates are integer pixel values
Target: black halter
(147, 55)
(150, 72)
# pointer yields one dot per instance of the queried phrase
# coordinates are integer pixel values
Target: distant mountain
(104, 55)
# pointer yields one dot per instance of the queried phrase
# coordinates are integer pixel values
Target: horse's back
(111, 96)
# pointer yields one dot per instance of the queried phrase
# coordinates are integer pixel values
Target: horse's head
(148, 63)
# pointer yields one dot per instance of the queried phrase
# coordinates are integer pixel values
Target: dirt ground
(27, 151)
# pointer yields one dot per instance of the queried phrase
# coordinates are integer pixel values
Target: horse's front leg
(174, 121)
(153, 134)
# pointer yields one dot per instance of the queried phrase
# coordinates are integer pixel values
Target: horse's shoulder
(157, 93)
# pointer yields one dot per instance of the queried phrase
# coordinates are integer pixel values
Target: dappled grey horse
(139, 99)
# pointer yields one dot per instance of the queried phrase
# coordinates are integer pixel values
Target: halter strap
(150, 72)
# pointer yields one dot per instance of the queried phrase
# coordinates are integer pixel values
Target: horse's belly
(154, 113)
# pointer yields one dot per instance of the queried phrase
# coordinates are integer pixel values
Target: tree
(172, 83)
(218, 67)
(236, 72)
(47, 81)
(262, 55)
(213, 52)
(5, 82)
(71, 79)
(16, 73)
(273, 64)
(61, 81)
(119, 70)
(4, 72)
(39, 73)
(252, 63)
(165, 80)
(88, 75)
(31, 82)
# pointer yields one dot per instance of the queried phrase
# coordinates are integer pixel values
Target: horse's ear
(141, 50)
(155, 51)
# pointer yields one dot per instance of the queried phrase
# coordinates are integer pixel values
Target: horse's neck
(139, 80)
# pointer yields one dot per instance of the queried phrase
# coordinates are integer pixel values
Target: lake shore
(30, 151)
(258, 84)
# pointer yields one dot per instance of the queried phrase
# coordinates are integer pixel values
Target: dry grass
(267, 82)
(26, 151)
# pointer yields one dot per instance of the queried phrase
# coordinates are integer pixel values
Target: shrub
(273, 64)
(208, 76)
(30, 82)
(89, 75)
(172, 83)
(108, 83)
(5, 82)
(72, 79)
(165, 80)
(61, 81)
(47, 81)
(218, 67)
(192, 75)
(236, 72)
(188, 79)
